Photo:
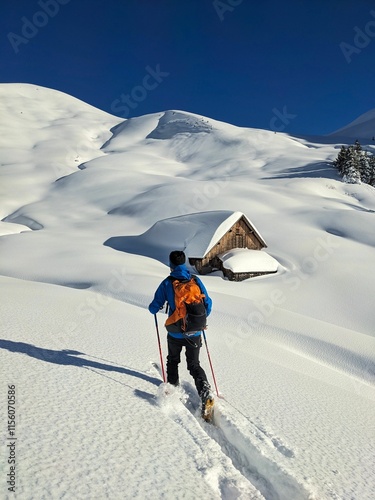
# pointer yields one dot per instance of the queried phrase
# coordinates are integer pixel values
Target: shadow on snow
(70, 358)
(313, 170)
(138, 246)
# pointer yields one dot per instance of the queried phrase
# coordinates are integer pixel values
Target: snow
(245, 260)
(293, 352)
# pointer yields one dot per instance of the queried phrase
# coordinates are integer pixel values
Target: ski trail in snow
(244, 443)
(216, 468)
(266, 474)
(236, 439)
(266, 435)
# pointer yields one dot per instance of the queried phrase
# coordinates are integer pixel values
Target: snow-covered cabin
(216, 240)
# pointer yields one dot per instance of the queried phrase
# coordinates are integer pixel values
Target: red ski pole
(209, 359)
(160, 352)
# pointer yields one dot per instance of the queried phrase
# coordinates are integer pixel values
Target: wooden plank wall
(239, 236)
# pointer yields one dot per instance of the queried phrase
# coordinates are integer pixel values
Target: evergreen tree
(364, 167)
(340, 160)
(357, 146)
(371, 180)
(355, 165)
(350, 171)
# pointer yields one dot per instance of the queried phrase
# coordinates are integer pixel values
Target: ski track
(233, 439)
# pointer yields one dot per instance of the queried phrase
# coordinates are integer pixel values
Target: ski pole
(160, 352)
(209, 359)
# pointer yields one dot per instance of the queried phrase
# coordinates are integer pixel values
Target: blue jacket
(165, 293)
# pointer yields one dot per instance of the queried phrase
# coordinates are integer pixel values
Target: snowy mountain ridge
(362, 128)
(294, 352)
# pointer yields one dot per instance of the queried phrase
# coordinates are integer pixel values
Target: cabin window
(239, 240)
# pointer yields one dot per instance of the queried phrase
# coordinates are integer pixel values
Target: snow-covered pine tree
(350, 172)
(371, 162)
(355, 165)
(341, 158)
(357, 146)
(364, 167)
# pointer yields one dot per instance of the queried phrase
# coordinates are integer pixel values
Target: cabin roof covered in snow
(196, 233)
(240, 260)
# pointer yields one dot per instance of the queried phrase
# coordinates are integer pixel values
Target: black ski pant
(192, 347)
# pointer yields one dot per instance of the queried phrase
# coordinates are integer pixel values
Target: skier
(177, 339)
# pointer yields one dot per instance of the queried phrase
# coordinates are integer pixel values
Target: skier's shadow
(71, 358)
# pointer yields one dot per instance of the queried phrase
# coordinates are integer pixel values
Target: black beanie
(176, 258)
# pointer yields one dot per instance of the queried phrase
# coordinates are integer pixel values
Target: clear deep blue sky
(232, 60)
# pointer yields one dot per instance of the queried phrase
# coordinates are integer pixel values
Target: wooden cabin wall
(242, 276)
(239, 236)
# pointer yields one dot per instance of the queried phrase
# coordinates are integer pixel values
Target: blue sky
(296, 66)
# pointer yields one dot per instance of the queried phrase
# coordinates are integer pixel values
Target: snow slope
(294, 352)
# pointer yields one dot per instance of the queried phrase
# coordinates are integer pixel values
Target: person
(177, 340)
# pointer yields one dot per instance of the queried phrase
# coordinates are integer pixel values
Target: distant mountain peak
(362, 127)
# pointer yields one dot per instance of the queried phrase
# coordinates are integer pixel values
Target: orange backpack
(190, 314)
